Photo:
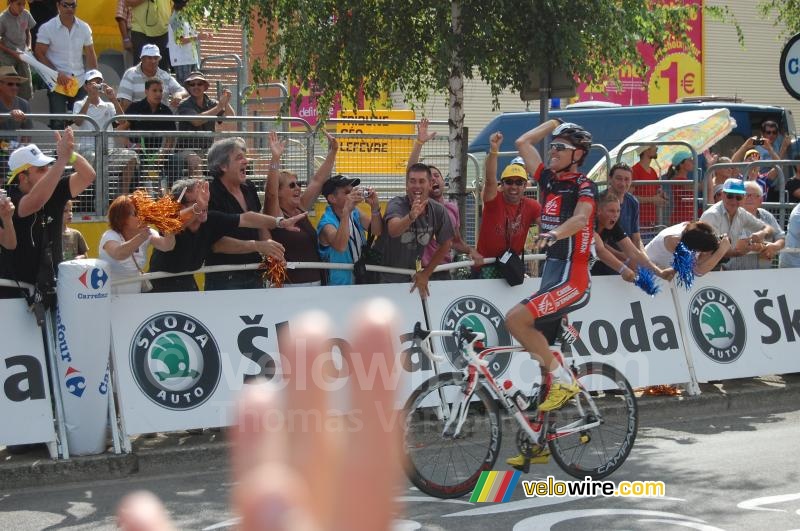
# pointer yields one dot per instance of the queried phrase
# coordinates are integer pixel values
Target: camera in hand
(758, 142)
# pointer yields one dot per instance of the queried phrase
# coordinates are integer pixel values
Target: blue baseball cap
(733, 186)
(680, 156)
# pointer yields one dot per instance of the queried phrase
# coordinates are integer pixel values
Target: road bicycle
(453, 427)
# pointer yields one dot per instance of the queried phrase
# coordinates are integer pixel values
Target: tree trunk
(455, 121)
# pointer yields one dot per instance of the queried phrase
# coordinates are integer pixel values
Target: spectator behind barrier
(698, 237)
(233, 193)
(411, 222)
(8, 237)
(619, 181)
(17, 108)
(199, 104)
(341, 230)
(680, 197)
(791, 258)
(124, 245)
(64, 43)
(72, 241)
(40, 193)
(652, 199)
(764, 176)
(776, 146)
(122, 160)
(203, 228)
(507, 213)
(438, 189)
(182, 42)
(745, 231)
(793, 184)
(123, 17)
(149, 23)
(284, 197)
(15, 36)
(771, 245)
(615, 241)
(131, 86)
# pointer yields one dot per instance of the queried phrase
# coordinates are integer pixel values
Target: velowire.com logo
(175, 361)
(717, 325)
(481, 316)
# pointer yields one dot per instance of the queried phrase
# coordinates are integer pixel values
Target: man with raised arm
(567, 226)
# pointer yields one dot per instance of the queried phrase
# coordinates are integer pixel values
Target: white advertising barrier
(25, 410)
(743, 323)
(181, 358)
(82, 337)
(621, 326)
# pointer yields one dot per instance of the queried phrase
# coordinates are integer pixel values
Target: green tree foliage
(377, 47)
(785, 12)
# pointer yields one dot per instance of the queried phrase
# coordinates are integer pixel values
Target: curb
(174, 452)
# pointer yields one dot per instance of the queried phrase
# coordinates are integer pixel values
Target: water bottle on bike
(522, 401)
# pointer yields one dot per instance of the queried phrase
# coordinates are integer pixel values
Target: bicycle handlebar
(462, 335)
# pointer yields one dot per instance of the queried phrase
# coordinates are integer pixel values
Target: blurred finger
(142, 511)
(259, 433)
(313, 448)
(374, 450)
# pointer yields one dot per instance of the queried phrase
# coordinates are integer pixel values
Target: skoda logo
(717, 325)
(175, 361)
(481, 316)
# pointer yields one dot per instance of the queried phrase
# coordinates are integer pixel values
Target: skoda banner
(82, 337)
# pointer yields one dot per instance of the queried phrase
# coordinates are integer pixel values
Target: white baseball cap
(92, 74)
(150, 50)
(24, 157)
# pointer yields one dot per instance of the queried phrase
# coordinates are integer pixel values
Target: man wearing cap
(149, 25)
(746, 232)
(771, 245)
(131, 86)
(119, 160)
(747, 152)
(507, 213)
(40, 193)
(412, 221)
(199, 104)
(64, 43)
(11, 103)
(341, 228)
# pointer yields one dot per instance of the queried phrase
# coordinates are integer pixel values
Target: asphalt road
(729, 472)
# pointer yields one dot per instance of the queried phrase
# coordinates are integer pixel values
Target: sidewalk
(179, 451)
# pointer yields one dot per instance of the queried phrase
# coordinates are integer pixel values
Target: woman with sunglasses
(285, 198)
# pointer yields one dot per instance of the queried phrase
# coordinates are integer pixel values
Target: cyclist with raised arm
(567, 222)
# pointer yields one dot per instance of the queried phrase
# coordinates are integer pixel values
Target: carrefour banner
(744, 323)
(25, 410)
(181, 358)
(621, 326)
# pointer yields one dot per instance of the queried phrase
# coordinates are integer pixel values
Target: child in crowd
(72, 242)
(184, 52)
(15, 36)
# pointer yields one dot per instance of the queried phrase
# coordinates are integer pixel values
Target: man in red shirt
(507, 213)
(651, 197)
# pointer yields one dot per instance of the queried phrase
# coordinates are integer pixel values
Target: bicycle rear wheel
(598, 451)
(438, 462)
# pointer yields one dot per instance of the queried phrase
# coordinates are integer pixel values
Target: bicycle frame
(472, 350)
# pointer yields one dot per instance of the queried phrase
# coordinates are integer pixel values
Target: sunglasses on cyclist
(515, 182)
(560, 146)
(734, 196)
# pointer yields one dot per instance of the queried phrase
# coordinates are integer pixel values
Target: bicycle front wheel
(597, 451)
(449, 441)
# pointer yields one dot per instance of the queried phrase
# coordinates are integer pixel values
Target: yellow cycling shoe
(542, 458)
(559, 394)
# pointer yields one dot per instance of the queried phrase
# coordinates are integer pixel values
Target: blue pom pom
(646, 281)
(683, 262)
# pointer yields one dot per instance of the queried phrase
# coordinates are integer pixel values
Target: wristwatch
(278, 222)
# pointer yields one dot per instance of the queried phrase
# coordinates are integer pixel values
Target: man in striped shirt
(131, 87)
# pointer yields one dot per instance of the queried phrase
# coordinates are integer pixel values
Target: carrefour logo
(717, 325)
(175, 361)
(94, 278)
(481, 316)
